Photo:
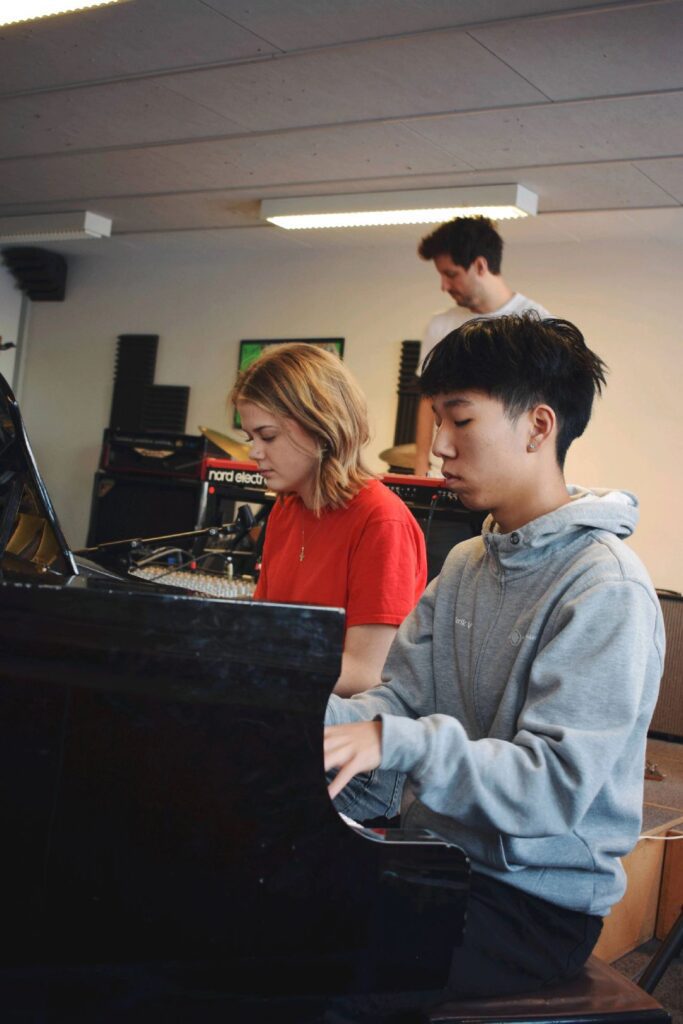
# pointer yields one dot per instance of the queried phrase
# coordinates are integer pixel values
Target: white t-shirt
(443, 323)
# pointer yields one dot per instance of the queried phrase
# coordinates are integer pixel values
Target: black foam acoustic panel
(134, 365)
(138, 404)
(408, 394)
(41, 275)
(165, 407)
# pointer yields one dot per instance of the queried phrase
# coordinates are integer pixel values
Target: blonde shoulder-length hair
(310, 385)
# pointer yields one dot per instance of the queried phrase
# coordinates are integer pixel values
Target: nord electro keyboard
(230, 483)
(240, 481)
(242, 477)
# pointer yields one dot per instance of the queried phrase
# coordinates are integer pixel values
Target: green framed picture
(251, 349)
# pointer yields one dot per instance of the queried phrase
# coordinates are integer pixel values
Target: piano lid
(31, 539)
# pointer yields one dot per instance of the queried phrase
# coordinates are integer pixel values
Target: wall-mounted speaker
(41, 275)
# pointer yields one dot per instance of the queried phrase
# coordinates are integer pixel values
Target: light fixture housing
(46, 227)
(414, 206)
(29, 10)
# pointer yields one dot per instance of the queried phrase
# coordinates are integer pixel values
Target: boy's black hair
(523, 361)
(463, 239)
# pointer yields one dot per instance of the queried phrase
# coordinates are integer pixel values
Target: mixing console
(212, 584)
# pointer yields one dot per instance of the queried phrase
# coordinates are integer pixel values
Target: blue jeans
(372, 795)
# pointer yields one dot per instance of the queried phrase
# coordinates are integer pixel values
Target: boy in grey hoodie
(516, 697)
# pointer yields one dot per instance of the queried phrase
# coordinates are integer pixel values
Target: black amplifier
(422, 491)
(443, 518)
(667, 720)
(156, 454)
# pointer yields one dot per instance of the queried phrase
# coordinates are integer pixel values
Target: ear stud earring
(531, 447)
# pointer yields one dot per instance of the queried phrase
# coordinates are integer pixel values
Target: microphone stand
(237, 529)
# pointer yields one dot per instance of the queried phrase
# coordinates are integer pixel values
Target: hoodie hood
(590, 509)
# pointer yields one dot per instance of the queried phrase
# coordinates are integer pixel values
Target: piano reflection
(164, 808)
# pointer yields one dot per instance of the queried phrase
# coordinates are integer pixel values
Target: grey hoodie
(517, 697)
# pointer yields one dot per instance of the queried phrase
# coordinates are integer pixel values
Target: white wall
(201, 298)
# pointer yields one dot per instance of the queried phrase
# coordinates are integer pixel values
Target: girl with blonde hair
(336, 536)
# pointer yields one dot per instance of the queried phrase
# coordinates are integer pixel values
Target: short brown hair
(463, 239)
(305, 383)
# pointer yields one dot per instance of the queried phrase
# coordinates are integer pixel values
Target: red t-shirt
(368, 557)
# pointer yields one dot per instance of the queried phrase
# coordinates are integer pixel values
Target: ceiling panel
(625, 128)
(305, 156)
(667, 174)
(293, 24)
(592, 187)
(589, 187)
(371, 80)
(631, 50)
(628, 225)
(181, 114)
(127, 113)
(376, 80)
(134, 37)
(215, 209)
(180, 213)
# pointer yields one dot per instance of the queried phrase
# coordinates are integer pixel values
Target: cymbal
(401, 455)
(235, 449)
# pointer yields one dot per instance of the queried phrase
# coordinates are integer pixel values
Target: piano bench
(598, 995)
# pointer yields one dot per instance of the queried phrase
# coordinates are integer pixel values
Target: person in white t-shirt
(467, 254)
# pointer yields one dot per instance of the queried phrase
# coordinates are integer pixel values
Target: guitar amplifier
(127, 505)
(667, 721)
(443, 518)
(154, 453)
(150, 484)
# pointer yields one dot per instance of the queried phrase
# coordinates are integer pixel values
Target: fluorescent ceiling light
(44, 227)
(12, 11)
(415, 206)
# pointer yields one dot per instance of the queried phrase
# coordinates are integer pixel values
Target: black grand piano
(169, 850)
